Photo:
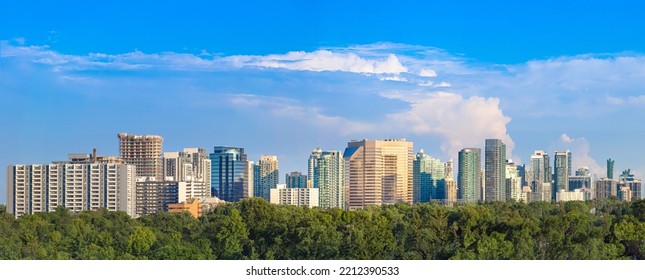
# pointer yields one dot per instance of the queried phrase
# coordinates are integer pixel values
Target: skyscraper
(448, 168)
(329, 177)
(561, 174)
(610, 169)
(378, 172)
(229, 174)
(606, 188)
(269, 176)
(629, 183)
(191, 166)
(450, 190)
(427, 172)
(296, 180)
(495, 170)
(143, 151)
(540, 177)
(513, 181)
(312, 163)
(469, 175)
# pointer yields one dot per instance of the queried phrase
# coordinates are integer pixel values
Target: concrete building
(450, 187)
(513, 182)
(144, 152)
(606, 188)
(495, 169)
(296, 180)
(427, 174)
(230, 178)
(627, 181)
(294, 196)
(378, 172)
(448, 168)
(564, 195)
(469, 175)
(584, 182)
(191, 206)
(269, 176)
(329, 178)
(624, 193)
(561, 172)
(540, 177)
(33, 188)
(191, 166)
(155, 196)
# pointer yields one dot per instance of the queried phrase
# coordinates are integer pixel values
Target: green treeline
(255, 229)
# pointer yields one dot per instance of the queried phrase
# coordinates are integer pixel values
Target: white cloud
(292, 109)
(324, 60)
(396, 78)
(444, 85)
(427, 73)
(565, 138)
(460, 122)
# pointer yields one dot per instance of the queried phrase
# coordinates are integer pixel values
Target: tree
(141, 240)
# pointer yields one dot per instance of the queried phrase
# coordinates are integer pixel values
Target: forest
(255, 229)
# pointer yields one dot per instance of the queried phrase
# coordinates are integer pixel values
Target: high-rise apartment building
(513, 181)
(294, 196)
(427, 172)
(450, 187)
(575, 195)
(296, 180)
(628, 182)
(606, 188)
(269, 176)
(79, 186)
(448, 168)
(191, 166)
(312, 163)
(495, 170)
(539, 177)
(329, 178)
(378, 172)
(230, 174)
(469, 176)
(143, 151)
(561, 172)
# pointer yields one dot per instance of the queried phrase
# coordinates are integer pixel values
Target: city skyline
(282, 78)
(374, 173)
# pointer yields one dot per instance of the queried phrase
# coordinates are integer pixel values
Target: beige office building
(378, 172)
(143, 151)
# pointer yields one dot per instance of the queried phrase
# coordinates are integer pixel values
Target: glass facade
(469, 175)
(229, 173)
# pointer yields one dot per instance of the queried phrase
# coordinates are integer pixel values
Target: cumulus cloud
(427, 73)
(565, 138)
(461, 122)
(589, 86)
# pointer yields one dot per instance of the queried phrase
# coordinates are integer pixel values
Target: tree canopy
(255, 229)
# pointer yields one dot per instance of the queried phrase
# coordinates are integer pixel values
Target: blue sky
(284, 77)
